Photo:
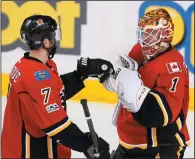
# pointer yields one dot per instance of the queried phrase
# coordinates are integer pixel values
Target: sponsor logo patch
(42, 75)
(52, 108)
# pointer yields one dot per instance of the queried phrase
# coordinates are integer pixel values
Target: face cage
(150, 56)
(153, 41)
(57, 34)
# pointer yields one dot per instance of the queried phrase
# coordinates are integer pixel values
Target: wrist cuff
(141, 94)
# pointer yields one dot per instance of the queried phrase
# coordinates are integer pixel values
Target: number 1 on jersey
(174, 84)
(46, 92)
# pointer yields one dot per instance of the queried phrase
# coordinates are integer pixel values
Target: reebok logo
(142, 92)
(84, 61)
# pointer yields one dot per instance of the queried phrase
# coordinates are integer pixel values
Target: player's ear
(46, 43)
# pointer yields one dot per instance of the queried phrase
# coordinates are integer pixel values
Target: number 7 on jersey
(46, 92)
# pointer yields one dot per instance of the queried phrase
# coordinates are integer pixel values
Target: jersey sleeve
(136, 53)
(73, 83)
(42, 100)
(163, 104)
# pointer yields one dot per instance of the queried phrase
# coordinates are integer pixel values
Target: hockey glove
(123, 62)
(98, 68)
(129, 88)
(103, 149)
(110, 82)
(127, 62)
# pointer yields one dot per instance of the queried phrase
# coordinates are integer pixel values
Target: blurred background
(96, 29)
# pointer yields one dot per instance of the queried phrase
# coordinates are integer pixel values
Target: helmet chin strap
(51, 52)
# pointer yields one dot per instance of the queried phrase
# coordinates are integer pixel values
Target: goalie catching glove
(127, 84)
(99, 68)
(127, 62)
(123, 62)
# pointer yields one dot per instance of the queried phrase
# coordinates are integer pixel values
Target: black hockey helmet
(36, 28)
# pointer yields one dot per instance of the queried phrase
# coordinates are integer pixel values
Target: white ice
(101, 116)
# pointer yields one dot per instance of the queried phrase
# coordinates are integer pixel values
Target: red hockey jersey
(30, 110)
(161, 121)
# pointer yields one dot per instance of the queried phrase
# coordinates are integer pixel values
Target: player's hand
(98, 68)
(103, 149)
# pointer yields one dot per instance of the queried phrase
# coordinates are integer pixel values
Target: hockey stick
(90, 125)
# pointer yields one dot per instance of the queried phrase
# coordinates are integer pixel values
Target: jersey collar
(26, 56)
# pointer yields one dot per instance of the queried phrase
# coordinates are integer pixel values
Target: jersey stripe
(166, 118)
(27, 146)
(178, 152)
(60, 128)
(158, 155)
(179, 139)
(154, 137)
(131, 146)
(179, 124)
(49, 147)
(54, 126)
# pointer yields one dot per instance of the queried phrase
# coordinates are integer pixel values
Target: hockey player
(152, 84)
(36, 124)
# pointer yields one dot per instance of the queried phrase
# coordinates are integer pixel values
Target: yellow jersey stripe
(178, 152)
(27, 146)
(178, 122)
(179, 139)
(49, 147)
(165, 115)
(60, 128)
(131, 146)
(158, 155)
(154, 137)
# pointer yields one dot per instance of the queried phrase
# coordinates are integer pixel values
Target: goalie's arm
(150, 107)
(163, 104)
(154, 111)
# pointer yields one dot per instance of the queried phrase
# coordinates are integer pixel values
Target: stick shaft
(90, 124)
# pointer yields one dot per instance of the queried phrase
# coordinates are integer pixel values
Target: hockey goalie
(152, 84)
